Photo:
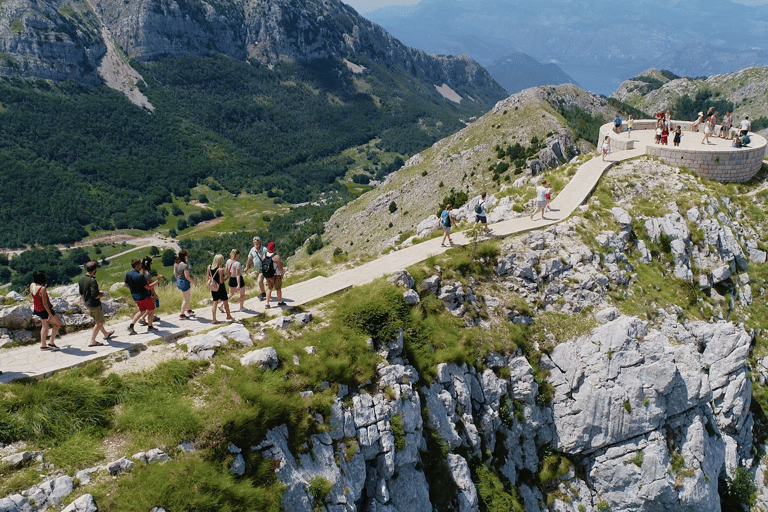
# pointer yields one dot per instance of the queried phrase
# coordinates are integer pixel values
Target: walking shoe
(151, 328)
(263, 296)
(142, 321)
(281, 303)
(183, 316)
(190, 312)
(131, 330)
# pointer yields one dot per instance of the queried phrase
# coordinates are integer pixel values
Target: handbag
(212, 284)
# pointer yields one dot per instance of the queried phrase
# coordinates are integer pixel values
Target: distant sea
(599, 79)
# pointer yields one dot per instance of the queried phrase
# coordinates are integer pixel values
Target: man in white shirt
(746, 126)
(256, 255)
(541, 199)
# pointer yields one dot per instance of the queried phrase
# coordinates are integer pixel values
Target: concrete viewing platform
(717, 160)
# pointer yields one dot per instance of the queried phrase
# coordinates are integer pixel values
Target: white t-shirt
(541, 193)
(256, 255)
(746, 125)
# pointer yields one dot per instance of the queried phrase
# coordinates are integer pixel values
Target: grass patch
(194, 483)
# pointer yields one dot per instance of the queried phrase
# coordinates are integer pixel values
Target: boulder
(266, 357)
(120, 466)
(16, 317)
(84, 503)
(402, 278)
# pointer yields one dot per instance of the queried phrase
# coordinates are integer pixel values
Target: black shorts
(233, 282)
(481, 218)
(43, 315)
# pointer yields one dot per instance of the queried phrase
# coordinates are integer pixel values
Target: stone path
(30, 361)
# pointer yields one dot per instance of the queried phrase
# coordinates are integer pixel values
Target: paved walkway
(30, 361)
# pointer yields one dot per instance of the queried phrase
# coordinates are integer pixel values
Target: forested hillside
(78, 158)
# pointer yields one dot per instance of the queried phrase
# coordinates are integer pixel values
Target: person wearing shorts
(482, 217)
(89, 291)
(43, 309)
(541, 199)
(184, 284)
(446, 221)
(256, 256)
(236, 281)
(142, 295)
(275, 282)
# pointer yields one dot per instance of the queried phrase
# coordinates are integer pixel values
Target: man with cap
(256, 256)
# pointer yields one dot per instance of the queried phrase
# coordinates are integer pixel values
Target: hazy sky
(367, 5)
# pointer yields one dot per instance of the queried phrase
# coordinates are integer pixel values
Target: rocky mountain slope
(267, 32)
(467, 162)
(612, 362)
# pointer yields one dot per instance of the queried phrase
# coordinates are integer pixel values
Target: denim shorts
(182, 284)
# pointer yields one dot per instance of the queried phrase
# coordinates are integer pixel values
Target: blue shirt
(137, 284)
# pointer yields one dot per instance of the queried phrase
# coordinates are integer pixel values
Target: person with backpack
(272, 268)
(446, 220)
(256, 256)
(617, 122)
(480, 214)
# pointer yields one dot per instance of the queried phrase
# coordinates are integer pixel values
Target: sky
(368, 5)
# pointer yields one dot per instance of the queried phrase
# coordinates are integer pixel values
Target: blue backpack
(445, 218)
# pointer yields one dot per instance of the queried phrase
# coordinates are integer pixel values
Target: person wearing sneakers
(142, 294)
(184, 283)
(256, 256)
(272, 268)
(89, 291)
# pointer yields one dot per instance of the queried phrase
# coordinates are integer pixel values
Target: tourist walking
(142, 295)
(707, 130)
(184, 283)
(606, 146)
(273, 271)
(236, 281)
(146, 269)
(43, 309)
(630, 125)
(256, 256)
(481, 217)
(91, 296)
(446, 221)
(541, 199)
(217, 274)
(548, 195)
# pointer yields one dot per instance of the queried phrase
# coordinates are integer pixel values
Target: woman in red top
(43, 309)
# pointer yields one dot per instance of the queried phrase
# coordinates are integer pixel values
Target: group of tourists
(143, 285)
(447, 221)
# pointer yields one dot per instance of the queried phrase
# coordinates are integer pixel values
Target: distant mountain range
(599, 43)
(520, 71)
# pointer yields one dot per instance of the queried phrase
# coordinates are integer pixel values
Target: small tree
(169, 257)
(154, 251)
(392, 207)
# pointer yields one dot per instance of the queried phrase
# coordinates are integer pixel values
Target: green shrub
(318, 489)
(398, 431)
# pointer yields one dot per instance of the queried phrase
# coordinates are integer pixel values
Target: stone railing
(721, 163)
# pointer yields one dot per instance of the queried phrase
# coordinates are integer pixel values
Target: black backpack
(267, 267)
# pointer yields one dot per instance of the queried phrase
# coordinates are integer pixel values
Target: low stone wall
(724, 164)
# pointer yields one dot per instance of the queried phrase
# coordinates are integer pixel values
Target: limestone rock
(84, 503)
(120, 466)
(266, 357)
(402, 278)
(16, 317)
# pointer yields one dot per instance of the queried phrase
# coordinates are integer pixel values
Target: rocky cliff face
(60, 39)
(57, 40)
